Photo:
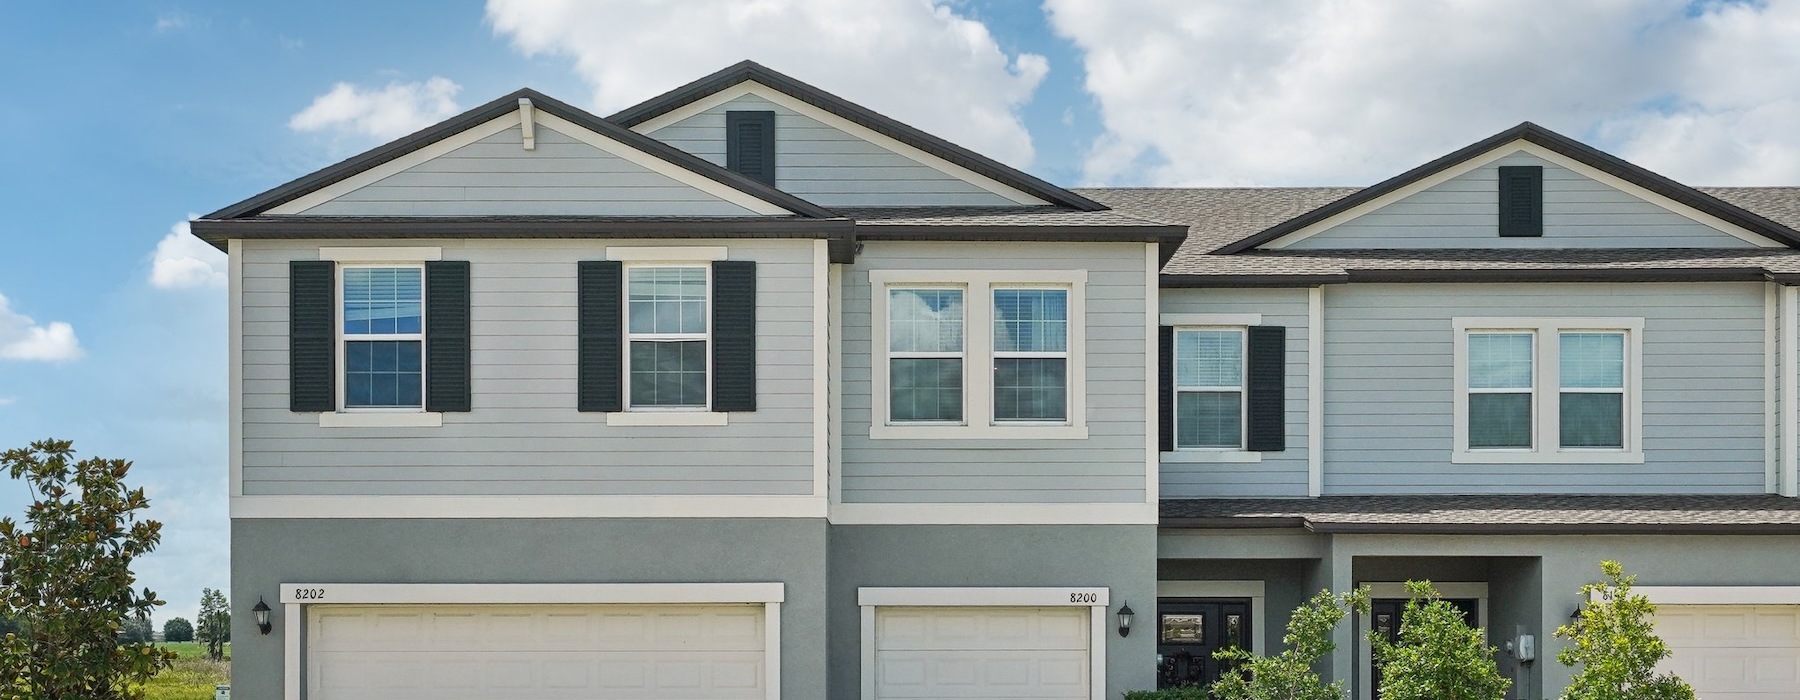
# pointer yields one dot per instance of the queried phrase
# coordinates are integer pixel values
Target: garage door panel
(952, 653)
(1733, 652)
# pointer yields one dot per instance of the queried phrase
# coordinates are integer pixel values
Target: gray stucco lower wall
(267, 553)
(1121, 558)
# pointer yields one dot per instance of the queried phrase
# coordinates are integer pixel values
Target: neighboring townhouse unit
(748, 392)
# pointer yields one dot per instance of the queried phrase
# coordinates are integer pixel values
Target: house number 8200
(309, 594)
(1084, 597)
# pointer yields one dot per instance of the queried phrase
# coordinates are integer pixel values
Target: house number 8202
(309, 594)
(1084, 597)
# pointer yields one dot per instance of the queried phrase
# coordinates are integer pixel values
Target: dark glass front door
(1189, 630)
(1384, 619)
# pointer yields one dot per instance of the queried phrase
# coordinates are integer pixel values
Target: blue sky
(122, 119)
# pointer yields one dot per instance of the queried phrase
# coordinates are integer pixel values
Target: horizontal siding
(826, 165)
(1389, 388)
(1108, 467)
(524, 435)
(497, 176)
(1279, 474)
(1579, 212)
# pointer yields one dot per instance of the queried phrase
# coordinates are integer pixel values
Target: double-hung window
(666, 336)
(1209, 388)
(925, 354)
(1031, 355)
(383, 336)
(1548, 390)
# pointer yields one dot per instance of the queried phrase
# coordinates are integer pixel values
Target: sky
(121, 120)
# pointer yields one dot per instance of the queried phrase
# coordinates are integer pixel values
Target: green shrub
(1291, 674)
(1192, 692)
(178, 629)
(1439, 656)
(1615, 644)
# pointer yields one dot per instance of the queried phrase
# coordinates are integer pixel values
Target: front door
(1189, 631)
(1384, 619)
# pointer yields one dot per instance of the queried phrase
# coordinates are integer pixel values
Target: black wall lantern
(262, 615)
(1125, 616)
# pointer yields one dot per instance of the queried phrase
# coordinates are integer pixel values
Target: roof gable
(750, 78)
(1548, 146)
(612, 149)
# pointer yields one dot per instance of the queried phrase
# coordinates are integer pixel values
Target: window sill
(978, 432)
(1547, 458)
(381, 419)
(1199, 455)
(666, 418)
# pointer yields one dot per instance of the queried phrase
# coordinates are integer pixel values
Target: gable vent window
(750, 145)
(1521, 201)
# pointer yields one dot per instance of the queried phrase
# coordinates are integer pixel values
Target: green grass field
(192, 677)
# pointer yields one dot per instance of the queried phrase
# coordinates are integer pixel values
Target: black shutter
(750, 145)
(1165, 389)
(447, 335)
(312, 335)
(1265, 386)
(601, 336)
(1521, 201)
(734, 335)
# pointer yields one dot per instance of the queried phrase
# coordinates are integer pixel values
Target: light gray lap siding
(496, 175)
(828, 166)
(1579, 212)
(524, 435)
(1389, 388)
(1279, 473)
(1107, 467)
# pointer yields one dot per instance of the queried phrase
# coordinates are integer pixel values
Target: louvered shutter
(601, 340)
(750, 145)
(447, 335)
(1521, 201)
(1165, 389)
(734, 335)
(1265, 387)
(312, 337)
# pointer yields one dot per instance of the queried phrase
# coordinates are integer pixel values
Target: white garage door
(953, 652)
(1734, 652)
(496, 652)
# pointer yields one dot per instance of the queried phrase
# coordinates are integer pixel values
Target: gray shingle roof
(993, 216)
(1492, 514)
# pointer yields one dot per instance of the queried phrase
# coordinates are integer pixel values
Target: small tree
(65, 574)
(1615, 644)
(178, 629)
(1439, 656)
(1291, 674)
(136, 630)
(214, 629)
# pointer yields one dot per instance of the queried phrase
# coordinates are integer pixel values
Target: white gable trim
(1526, 147)
(511, 119)
(751, 87)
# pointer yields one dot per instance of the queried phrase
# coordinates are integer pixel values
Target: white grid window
(925, 354)
(1501, 389)
(1209, 388)
(667, 337)
(1548, 390)
(1591, 407)
(1031, 355)
(382, 323)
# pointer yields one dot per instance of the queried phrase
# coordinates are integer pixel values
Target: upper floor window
(383, 336)
(925, 354)
(1031, 355)
(667, 335)
(1209, 388)
(1548, 390)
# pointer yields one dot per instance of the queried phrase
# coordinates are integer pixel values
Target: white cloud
(919, 61)
(7, 401)
(395, 110)
(182, 261)
(1295, 92)
(21, 338)
(176, 21)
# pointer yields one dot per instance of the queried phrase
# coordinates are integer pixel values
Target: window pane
(382, 374)
(1499, 360)
(1209, 358)
(1208, 419)
(1032, 388)
(668, 374)
(1593, 420)
(1593, 360)
(667, 299)
(1499, 421)
(382, 300)
(925, 320)
(1031, 320)
(926, 389)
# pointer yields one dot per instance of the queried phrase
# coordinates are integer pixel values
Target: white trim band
(530, 593)
(807, 506)
(1720, 595)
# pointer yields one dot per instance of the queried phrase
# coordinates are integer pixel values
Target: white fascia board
(751, 87)
(530, 593)
(1720, 595)
(994, 514)
(254, 507)
(984, 597)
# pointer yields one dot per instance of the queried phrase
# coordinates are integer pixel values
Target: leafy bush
(178, 629)
(1191, 692)
(1439, 656)
(1290, 675)
(1615, 644)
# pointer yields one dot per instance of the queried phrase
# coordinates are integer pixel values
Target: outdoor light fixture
(262, 615)
(1125, 615)
(1575, 617)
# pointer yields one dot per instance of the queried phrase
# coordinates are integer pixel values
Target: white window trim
(1199, 454)
(706, 337)
(999, 354)
(1254, 590)
(1546, 388)
(1096, 600)
(769, 595)
(344, 410)
(1393, 590)
(669, 254)
(381, 254)
(978, 342)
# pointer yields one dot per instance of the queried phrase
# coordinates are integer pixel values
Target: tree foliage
(1614, 642)
(214, 629)
(1292, 674)
(1439, 656)
(65, 575)
(137, 629)
(178, 629)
